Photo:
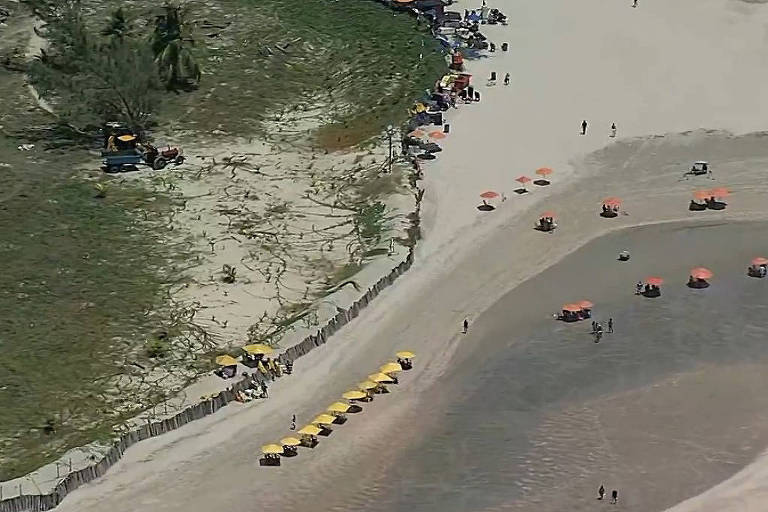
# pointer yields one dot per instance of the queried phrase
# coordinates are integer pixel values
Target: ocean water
(537, 415)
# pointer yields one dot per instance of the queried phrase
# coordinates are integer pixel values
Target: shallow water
(538, 415)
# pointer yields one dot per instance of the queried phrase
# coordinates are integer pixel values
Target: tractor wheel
(159, 163)
(179, 160)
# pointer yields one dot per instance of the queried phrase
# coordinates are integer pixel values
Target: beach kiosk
(272, 454)
(227, 366)
(309, 435)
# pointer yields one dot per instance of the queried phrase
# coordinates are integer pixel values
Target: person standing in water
(614, 496)
(584, 127)
(601, 492)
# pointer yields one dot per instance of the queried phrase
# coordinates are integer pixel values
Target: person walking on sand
(506, 79)
(584, 127)
(466, 326)
(614, 496)
(610, 325)
(601, 492)
(613, 130)
(634, 3)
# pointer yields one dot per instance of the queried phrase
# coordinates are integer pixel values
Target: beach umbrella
(489, 194)
(310, 430)
(612, 201)
(585, 304)
(380, 377)
(701, 273)
(339, 407)
(390, 368)
(258, 348)
(416, 134)
(323, 419)
(548, 213)
(126, 138)
(654, 281)
(701, 194)
(523, 179)
(573, 308)
(405, 354)
(226, 360)
(437, 135)
(272, 449)
(544, 171)
(366, 385)
(290, 441)
(354, 395)
(719, 192)
(760, 261)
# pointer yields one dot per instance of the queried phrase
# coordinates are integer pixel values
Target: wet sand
(537, 416)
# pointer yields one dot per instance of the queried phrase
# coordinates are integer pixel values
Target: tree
(118, 27)
(171, 44)
(91, 82)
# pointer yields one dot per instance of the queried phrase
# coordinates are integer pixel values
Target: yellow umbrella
(380, 377)
(354, 395)
(405, 355)
(290, 441)
(126, 138)
(390, 368)
(310, 430)
(323, 419)
(226, 360)
(258, 348)
(365, 386)
(272, 449)
(338, 407)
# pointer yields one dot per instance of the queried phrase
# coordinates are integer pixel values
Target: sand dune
(663, 67)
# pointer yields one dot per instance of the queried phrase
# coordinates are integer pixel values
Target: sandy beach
(651, 71)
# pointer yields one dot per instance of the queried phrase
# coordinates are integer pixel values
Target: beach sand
(652, 71)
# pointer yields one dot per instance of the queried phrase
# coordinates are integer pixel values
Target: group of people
(547, 224)
(646, 289)
(597, 329)
(611, 208)
(614, 494)
(757, 270)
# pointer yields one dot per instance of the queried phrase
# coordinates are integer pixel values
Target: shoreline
(446, 239)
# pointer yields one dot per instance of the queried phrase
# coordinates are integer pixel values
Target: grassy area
(347, 68)
(78, 274)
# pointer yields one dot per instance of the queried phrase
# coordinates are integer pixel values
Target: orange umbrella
(416, 133)
(489, 195)
(437, 135)
(549, 214)
(611, 201)
(523, 179)
(654, 281)
(719, 192)
(702, 194)
(760, 261)
(701, 273)
(585, 304)
(544, 171)
(573, 308)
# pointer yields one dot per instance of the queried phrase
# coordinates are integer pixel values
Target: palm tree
(118, 27)
(171, 42)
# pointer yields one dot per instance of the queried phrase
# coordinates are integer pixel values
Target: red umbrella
(523, 179)
(489, 195)
(573, 308)
(549, 214)
(701, 273)
(760, 261)
(702, 194)
(654, 281)
(611, 201)
(416, 133)
(719, 192)
(544, 171)
(437, 135)
(585, 304)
